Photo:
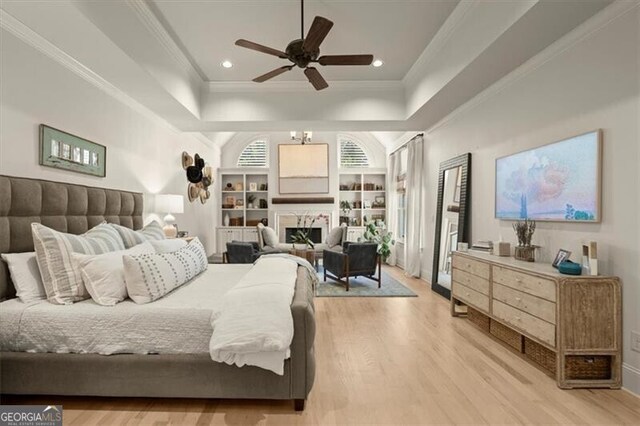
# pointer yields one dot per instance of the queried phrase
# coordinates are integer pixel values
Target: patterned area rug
(362, 287)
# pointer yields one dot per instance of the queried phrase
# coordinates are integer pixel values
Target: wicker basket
(478, 319)
(542, 356)
(507, 335)
(587, 367)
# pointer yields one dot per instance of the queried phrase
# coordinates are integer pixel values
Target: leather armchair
(241, 252)
(356, 259)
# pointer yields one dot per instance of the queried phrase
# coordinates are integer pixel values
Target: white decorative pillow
(151, 276)
(153, 231)
(168, 245)
(60, 276)
(270, 237)
(335, 236)
(25, 275)
(103, 274)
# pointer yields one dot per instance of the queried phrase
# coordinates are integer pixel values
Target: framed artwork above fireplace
(303, 169)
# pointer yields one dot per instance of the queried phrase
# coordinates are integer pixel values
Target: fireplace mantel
(303, 200)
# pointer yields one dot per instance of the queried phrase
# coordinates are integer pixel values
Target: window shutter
(352, 155)
(254, 155)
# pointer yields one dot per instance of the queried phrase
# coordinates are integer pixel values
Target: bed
(149, 359)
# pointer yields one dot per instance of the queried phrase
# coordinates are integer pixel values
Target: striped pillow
(60, 275)
(152, 231)
(151, 276)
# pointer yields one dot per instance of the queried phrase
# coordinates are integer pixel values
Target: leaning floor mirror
(452, 217)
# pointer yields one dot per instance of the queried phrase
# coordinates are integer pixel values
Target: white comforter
(254, 317)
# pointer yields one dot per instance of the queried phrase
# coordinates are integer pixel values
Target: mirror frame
(464, 162)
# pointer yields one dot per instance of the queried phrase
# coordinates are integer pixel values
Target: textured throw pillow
(103, 274)
(259, 228)
(60, 276)
(25, 275)
(152, 231)
(270, 237)
(151, 276)
(335, 236)
(167, 246)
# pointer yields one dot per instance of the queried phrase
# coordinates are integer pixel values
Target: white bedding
(176, 324)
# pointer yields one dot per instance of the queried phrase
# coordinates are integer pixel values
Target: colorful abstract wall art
(555, 182)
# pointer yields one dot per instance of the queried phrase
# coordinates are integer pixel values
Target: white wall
(143, 154)
(232, 149)
(592, 84)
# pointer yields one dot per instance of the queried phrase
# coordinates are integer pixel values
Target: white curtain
(392, 203)
(413, 239)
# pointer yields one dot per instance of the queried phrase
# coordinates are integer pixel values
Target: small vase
(250, 206)
(226, 219)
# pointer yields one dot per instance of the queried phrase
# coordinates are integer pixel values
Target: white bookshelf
(363, 190)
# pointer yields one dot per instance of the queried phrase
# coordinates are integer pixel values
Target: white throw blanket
(254, 325)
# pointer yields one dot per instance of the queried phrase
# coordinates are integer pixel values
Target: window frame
(266, 153)
(358, 143)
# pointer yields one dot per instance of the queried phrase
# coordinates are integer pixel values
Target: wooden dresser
(571, 326)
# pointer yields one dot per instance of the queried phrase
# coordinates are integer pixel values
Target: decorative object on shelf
(227, 220)
(264, 187)
(229, 187)
(263, 203)
(250, 199)
(236, 221)
(379, 201)
(590, 258)
(239, 203)
(229, 202)
(380, 236)
(239, 186)
(253, 186)
(568, 267)
(501, 248)
(561, 257)
(200, 177)
(62, 150)
(524, 231)
(345, 208)
(367, 204)
(555, 182)
(169, 204)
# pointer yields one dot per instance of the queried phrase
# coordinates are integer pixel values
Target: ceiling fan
(303, 51)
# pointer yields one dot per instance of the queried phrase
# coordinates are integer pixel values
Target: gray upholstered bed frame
(75, 209)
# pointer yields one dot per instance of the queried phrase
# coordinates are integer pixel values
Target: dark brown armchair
(241, 252)
(357, 259)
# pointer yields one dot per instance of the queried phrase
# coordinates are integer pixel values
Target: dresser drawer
(531, 284)
(533, 305)
(470, 296)
(474, 267)
(525, 322)
(471, 281)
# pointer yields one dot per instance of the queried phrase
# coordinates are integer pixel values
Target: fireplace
(315, 234)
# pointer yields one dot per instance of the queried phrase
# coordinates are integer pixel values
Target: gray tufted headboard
(62, 206)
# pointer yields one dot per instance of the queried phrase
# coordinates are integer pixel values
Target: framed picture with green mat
(63, 150)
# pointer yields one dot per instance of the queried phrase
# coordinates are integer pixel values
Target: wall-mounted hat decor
(199, 175)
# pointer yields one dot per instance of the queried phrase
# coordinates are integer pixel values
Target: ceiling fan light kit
(304, 51)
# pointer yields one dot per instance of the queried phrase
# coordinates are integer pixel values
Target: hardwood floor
(388, 361)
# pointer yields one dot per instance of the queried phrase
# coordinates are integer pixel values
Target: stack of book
(486, 246)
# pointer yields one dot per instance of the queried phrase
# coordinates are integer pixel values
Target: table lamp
(169, 203)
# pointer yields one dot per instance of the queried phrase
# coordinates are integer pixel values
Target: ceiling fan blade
(271, 74)
(318, 31)
(260, 48)
(345, 60)
(316, 80)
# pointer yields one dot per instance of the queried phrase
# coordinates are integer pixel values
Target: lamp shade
(169, 203)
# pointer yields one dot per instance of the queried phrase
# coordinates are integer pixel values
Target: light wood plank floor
(389, 361)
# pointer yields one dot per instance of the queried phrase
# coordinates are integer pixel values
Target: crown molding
(301, 86)
(157, 29)
(12, 25)
(441, 38)
(575, 36)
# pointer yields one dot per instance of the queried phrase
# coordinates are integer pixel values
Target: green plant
(345, 206)
(251, 198)
(381, 237)
(304, 225)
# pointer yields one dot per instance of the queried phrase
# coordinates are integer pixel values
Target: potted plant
(345, 208)
(303, 230)
(381, 237)
(524, 231)
(250, 199)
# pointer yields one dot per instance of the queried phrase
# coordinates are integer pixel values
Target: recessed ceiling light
(226, 64)
(378, 63)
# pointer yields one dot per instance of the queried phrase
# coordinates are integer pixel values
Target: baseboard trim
(631, 379)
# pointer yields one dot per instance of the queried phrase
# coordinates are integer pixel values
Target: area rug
(362, 287)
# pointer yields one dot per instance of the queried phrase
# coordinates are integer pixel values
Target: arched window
(256, 154)
(352, 154)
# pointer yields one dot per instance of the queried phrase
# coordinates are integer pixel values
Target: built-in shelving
(366, 194)
(244, 212)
